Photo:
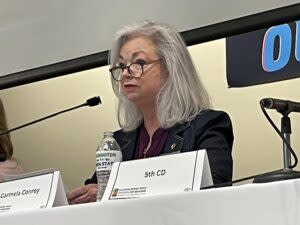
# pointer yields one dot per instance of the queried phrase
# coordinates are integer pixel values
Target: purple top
(158, 142)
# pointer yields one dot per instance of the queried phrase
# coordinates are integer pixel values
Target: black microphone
(90, 102)
(280, 105)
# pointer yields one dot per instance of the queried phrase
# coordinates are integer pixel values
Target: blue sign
(264, 56)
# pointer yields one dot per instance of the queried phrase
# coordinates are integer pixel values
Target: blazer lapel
(128, 145)
(175, 141)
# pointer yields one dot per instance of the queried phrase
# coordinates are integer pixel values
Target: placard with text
(174, 173)
(32, 191)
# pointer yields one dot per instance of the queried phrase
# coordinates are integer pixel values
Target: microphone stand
(286, 131)
(287, 172)
(90, 102)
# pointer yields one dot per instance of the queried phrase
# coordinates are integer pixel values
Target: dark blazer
(210, 130)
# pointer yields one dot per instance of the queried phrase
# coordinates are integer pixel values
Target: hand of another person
(84, 194)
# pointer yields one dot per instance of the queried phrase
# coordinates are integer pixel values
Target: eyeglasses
(135, 69)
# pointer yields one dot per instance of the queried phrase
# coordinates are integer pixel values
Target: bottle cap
(108, 133)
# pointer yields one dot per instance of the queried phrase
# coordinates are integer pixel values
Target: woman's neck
(151, 122)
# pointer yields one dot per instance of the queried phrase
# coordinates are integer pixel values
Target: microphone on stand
(285, 107)
(90, 102)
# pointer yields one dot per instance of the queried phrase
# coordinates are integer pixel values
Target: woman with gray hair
(162, 105)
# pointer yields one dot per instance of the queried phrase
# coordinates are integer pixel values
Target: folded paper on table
(159, 175)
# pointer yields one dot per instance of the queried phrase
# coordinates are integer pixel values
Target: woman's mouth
(129, 87)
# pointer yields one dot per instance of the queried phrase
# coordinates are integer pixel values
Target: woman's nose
(125, 73)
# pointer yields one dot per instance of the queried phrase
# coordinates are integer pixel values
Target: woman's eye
(121, 65)
(140, 61)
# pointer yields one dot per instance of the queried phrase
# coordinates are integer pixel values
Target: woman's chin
(133, 97)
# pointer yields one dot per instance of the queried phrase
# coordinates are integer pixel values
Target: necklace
(145, 152)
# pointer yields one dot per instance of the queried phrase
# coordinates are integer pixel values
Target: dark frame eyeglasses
(135, 69)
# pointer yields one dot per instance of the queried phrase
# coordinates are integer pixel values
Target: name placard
(32, 191)
(159, 175)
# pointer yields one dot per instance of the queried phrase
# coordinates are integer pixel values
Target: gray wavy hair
(182, 97)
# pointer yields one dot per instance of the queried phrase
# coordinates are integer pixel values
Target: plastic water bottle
(107, 153)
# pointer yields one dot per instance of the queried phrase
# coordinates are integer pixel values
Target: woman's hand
(84, 194)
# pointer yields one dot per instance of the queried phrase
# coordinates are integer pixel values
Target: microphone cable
(229, 183)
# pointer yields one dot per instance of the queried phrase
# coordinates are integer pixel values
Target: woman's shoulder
(9, 163)
(211, 114)
(210, 117)
(10, 166)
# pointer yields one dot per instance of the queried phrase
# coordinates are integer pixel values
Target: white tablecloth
(253, 204)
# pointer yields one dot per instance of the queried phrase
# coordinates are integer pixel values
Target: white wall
(36, 33)
(68, 142)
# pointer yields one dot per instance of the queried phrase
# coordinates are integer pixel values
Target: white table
(253, 204)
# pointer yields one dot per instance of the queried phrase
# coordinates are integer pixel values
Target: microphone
(280, 105)
(90, 102)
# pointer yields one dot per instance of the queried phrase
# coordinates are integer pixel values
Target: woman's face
(142, 90)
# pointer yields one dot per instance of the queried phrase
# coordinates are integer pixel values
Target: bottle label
(105, 159)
